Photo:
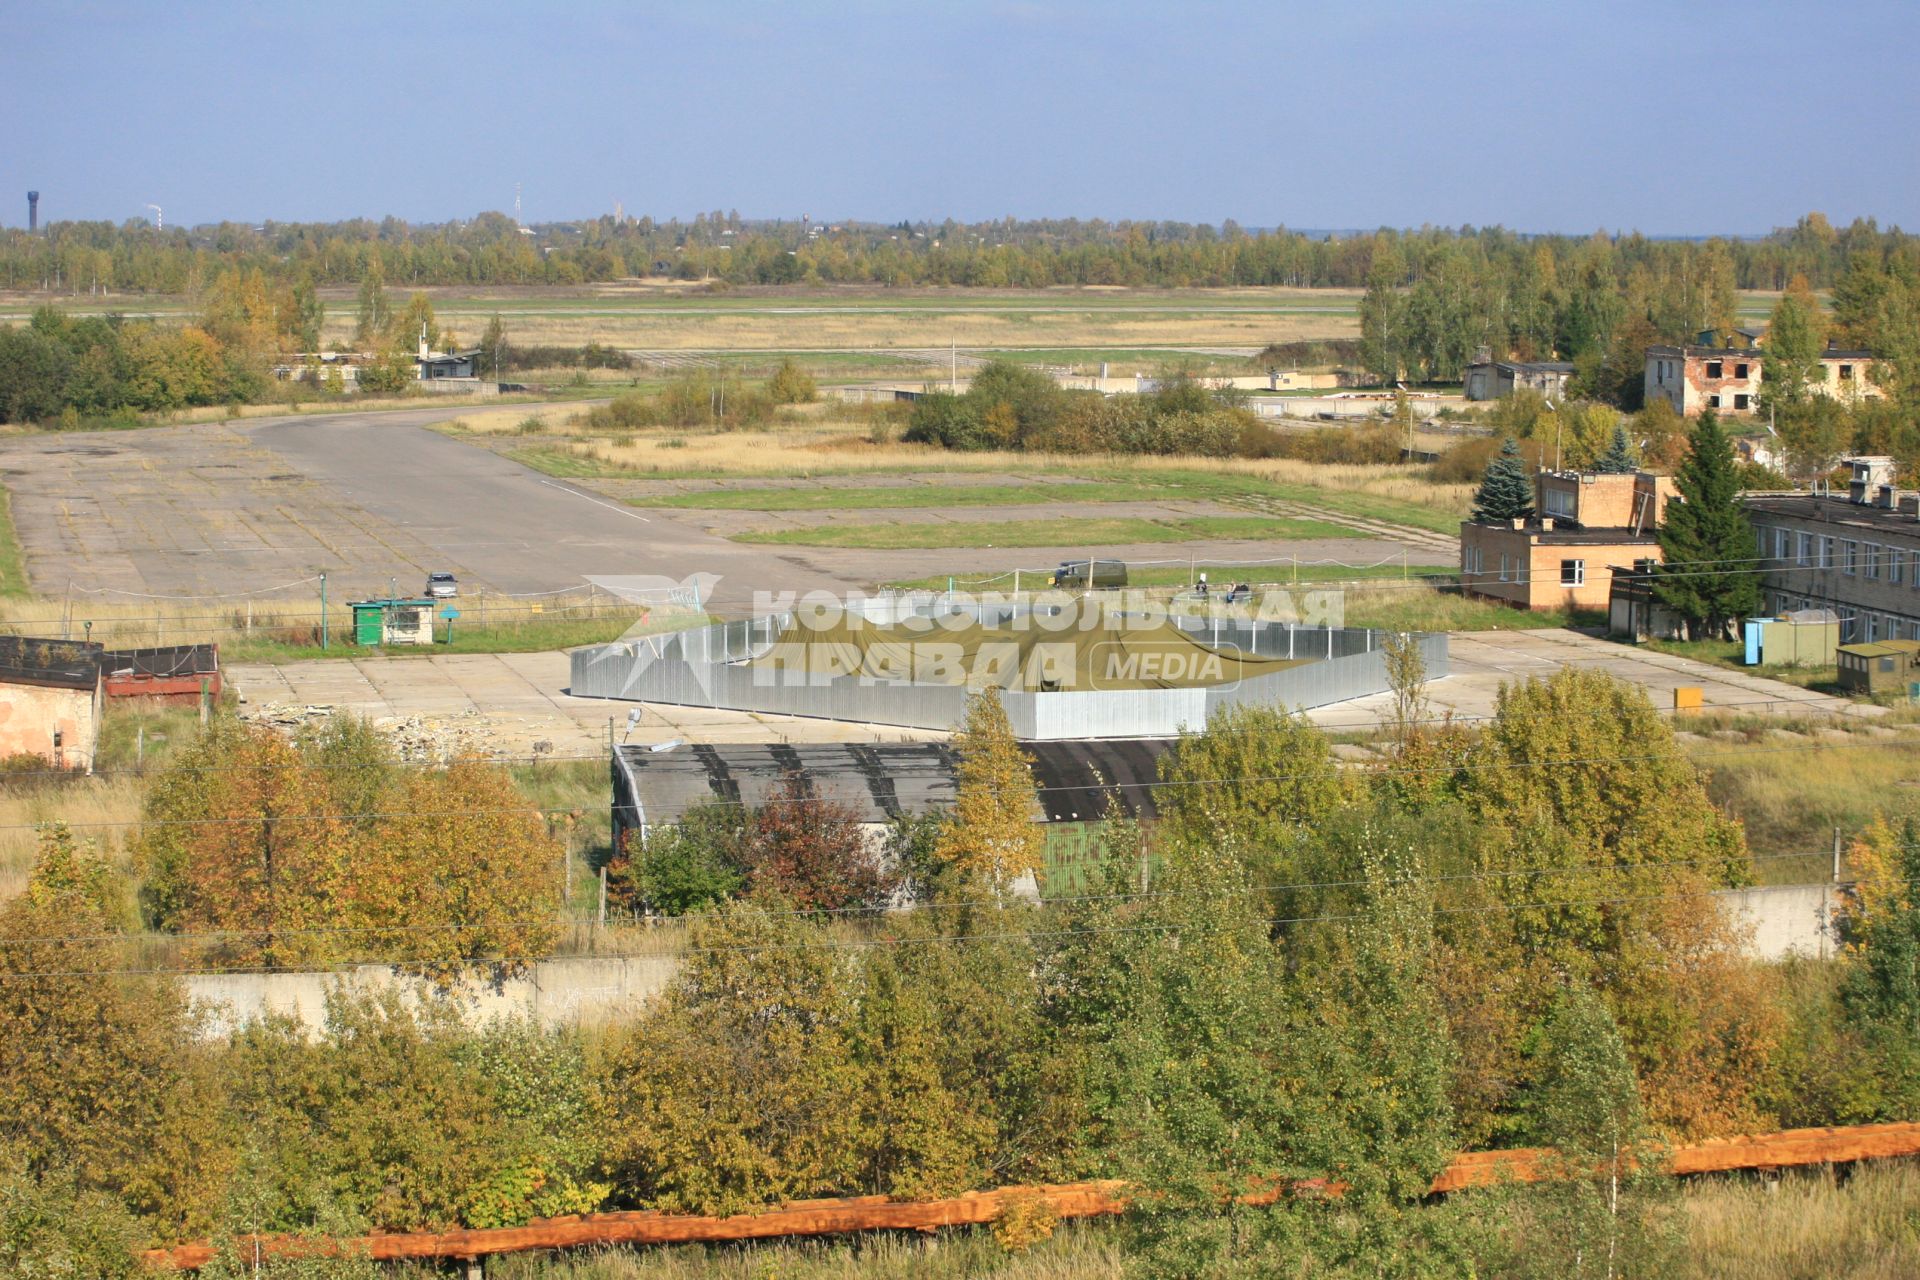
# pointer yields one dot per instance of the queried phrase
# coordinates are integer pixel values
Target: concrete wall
(579, 989)
(1785, 920)
(30, 714)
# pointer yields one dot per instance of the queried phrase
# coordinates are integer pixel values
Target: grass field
(13, 570)
(489, 624)
(1793, 783)
(1795, 1226)
(666, 316)
(874, 498)
(1091, 532)
(830, 441)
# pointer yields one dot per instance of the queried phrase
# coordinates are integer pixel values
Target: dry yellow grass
(133, 624)
(725, 329)
(1807, 1223)
(98, 808)
(802, 448)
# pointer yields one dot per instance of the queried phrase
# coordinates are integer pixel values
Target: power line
(850, 944)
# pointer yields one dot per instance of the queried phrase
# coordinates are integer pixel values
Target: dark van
(1095, 574)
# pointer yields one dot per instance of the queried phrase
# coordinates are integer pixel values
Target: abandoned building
(1488, 379)
(1585, 526)
(50, 700)
(1722, 372)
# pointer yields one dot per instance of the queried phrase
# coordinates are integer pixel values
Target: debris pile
(422, 739)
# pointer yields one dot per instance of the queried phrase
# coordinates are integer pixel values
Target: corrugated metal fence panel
(636, 670)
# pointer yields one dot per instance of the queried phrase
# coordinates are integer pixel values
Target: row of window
(1868, 560)
(1715, 367)
(1742, 401)
(1573, 573)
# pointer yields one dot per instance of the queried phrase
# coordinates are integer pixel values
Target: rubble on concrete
(420, 738)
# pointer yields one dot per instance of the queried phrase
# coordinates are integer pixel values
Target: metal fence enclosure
(713, 667)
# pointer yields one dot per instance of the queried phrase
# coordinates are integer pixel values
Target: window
(1505, 573)
(1805, 555)
(1742, 401)
(1896, 564)
(1714, 368)
(1826, 551)
(1739, 371)
(1780, 544)
(1872, 558)
(1846, 373)
(1559, 502)
(1760, 541)
(1713, 402)
(1873, 628)
(1573, 573)
(1644, 565)
(1849, 556)
(1472, 556)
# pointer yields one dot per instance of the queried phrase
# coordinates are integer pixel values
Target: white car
(442, 586)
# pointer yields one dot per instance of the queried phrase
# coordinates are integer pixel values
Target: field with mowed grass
(1091, 532)
(833, 457)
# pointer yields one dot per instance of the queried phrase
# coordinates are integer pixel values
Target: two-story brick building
(1585, 525)
(1857, 553)
(1723, 372)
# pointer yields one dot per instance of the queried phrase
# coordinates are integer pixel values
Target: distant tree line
(491, 249)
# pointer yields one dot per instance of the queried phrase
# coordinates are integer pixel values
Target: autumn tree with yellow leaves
(990, 837)
(276, 852)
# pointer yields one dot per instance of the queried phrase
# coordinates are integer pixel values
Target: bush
(792, 385)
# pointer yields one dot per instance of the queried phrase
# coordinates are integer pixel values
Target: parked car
(442, 586)
(1096, 574)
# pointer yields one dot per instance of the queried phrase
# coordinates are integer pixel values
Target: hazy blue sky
(1668, 117)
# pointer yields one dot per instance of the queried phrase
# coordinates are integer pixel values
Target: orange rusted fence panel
(1780, 1150)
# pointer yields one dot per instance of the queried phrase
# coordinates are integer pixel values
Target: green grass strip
(1093, 534)
(13, 564)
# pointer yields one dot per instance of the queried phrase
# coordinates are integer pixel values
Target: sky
(1669, 118)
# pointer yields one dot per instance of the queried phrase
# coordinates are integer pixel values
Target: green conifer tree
(1618, 460)
(1506, 493)
(1706, 543)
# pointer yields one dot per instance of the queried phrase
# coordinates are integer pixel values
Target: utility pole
(323, 611)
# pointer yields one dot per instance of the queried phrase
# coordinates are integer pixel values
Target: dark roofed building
(878, 781)
(1492, 379)
(50, 699)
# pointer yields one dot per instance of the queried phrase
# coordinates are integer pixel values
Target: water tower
(33, 211)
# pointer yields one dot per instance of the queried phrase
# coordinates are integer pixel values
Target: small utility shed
(50, 699)
(1886, 666)
(879, 781)
(395, 621)
(1802, 638)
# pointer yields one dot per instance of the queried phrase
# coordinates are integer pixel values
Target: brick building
(1722, 372)
(1585, 525)
(1857, 554)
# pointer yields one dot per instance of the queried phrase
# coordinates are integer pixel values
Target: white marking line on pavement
(597, 502)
